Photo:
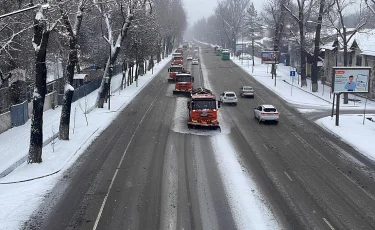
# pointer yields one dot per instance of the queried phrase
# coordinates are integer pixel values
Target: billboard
(351, 79)
(270, 57)
(240, 47)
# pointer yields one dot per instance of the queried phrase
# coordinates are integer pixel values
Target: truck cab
(173, 70)
(203, 108)
(184, 84)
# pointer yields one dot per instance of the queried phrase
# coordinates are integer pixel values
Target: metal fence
(19, 114)
(86, 89)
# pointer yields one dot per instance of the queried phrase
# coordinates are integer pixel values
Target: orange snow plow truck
(184, 84)
(173, 71)
(203, 109)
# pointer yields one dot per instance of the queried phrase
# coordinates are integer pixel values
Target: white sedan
(266, 113)
(195, 61)
(189, 58)
(228, 98)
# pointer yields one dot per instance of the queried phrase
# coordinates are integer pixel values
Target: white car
(246, 91)
(189, 58)
(228, 98)
(266, 113)
(195, 61)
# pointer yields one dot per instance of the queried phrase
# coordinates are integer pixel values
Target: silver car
(266, 113)
(246, 91)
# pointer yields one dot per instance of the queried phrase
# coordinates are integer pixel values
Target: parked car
(266, 113)
(189, 58)
(246, 91)
(245, 57)
(195, 61)
(228, 97)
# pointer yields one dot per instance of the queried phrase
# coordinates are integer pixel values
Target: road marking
(122, 159)
(265, 146)
(259, 97)
(329, 225)
(288, 176)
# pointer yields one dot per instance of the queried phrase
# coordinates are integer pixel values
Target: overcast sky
(197, 9)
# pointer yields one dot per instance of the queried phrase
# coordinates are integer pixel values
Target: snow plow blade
(204, 126)
(183, 93)
(171, 80)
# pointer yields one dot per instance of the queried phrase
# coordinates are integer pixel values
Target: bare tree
(336, 17)
(126, 10)
(232, 13)
(72, 32)
(304, 11)
(372, 9)
(42, 30)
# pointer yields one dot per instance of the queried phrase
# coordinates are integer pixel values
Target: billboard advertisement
(351, 79)
(270, 57)
(240, 47)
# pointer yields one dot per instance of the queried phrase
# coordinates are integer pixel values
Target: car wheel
(276, 122)
(235, 104)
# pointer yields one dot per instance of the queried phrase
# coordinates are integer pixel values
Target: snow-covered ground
(297, 95)
(354, 130)
(20, 192)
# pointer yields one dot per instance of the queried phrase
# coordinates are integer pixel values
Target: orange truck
(177, 59)
(203, 108)
(173, 70)
(184, 84)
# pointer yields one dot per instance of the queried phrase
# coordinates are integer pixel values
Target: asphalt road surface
(144, 173)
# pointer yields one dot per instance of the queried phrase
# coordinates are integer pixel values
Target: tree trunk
(314, 71)
(41, 36)
(68, 93)
(123, 80)
(302, 50)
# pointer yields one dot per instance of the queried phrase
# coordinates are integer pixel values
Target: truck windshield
(175, 69)
(199, 105)
(177, 58)
(183, 79)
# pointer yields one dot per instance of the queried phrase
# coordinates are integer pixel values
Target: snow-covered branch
(371, 7)
(291, 13)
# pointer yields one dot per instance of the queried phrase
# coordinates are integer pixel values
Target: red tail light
(264, 113)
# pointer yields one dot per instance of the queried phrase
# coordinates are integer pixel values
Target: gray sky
(197, 9)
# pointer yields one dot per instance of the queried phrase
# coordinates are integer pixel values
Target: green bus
(225, 55)
(218, 51)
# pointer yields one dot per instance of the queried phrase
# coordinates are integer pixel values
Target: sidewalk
(24, 187)
(297, 95)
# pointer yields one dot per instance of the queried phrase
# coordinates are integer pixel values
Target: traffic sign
(292, 73)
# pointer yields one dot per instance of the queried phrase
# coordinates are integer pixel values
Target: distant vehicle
(195, 61)
(245, 57)
(246, 91)
(266, 113)
(228, 97)
(189, 58)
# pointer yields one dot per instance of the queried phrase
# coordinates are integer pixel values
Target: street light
(43, 6)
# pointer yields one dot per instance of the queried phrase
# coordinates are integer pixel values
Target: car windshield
(204, 104)
(248, 88)
(175, 69)
(269, 110)
(230, 95)
(183, 79)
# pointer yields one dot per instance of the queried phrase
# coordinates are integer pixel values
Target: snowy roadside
(249, 207)
(297, 95)
(19, 200)
(352, 130)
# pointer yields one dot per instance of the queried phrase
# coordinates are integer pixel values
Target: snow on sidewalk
(57, 157)
(352, 130)
(299, 96)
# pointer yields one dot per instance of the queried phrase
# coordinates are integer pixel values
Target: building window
(358, 61)
(366, 60)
